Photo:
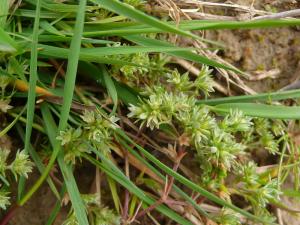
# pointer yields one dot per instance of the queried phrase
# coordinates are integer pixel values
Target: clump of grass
(125, 107)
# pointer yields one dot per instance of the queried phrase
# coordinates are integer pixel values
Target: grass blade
(261, 110)
(110, 86)
(3, 12)
(9, 126)
(7, 44)
(32, 87)
(128, 11)
(273, 96)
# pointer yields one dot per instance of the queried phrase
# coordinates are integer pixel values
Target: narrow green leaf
(9, 126)
(110, 87)
(31, 92)
(130, 12)
(273, 96)
(4, 8)
(261, 110)
(7, 44)
(114, 193)
(133, 28)
(56, 208)
(50, 28)
(66, 170)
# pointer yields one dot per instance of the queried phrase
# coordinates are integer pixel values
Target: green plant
(156, 134)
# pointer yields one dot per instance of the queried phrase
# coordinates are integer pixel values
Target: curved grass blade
(130, 12)
(50, 28)
(125, 28)
(261, 110)
(217, 25)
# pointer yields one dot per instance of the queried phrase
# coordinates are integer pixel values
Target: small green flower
(3, 157)
(69, 136)
(180, 82)
(204, 82)
(235, 121)
(4, 105)
(229, 217)
(88, 116)
(247, 173)
(4, 199)
(21, 165)
(267, 193)
(4, 81)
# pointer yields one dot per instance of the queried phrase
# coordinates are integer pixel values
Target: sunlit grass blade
(272, 96)
(32, 88)
(130, 12)
(125, 28)
(217, 25)
(49, 28)
(261, 110)
(106, 51)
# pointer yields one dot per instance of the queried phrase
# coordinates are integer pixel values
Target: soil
(250, 50)
(259, 50)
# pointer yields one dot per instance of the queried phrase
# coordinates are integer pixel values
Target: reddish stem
(9, 215)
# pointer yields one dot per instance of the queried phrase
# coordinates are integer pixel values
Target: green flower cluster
(213, 139)
(220, 142)
(20, 166)
(96, 131)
